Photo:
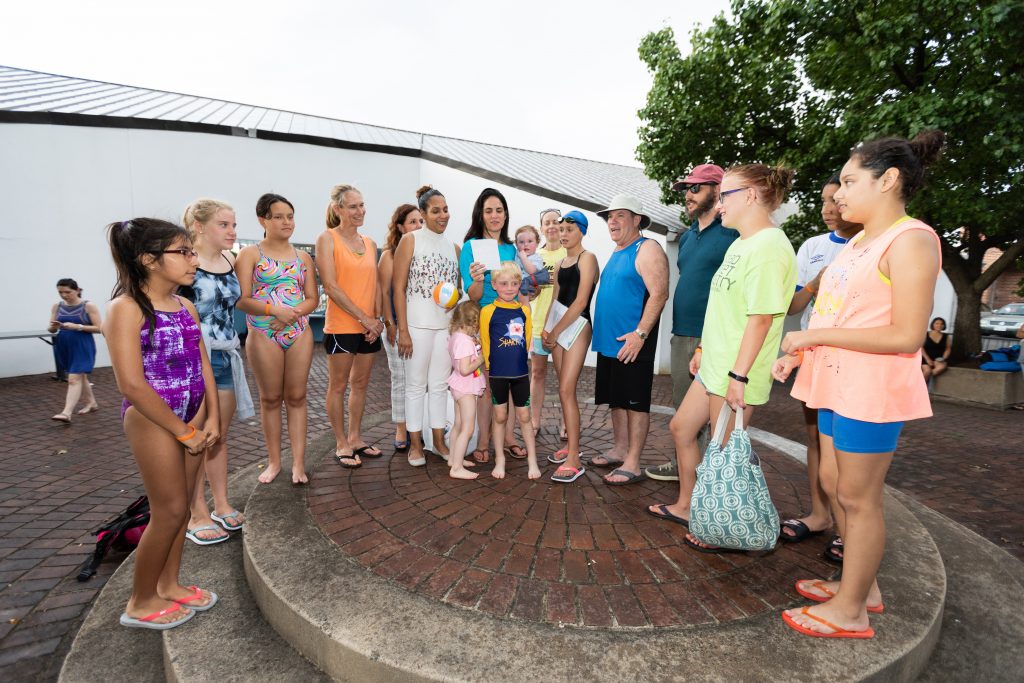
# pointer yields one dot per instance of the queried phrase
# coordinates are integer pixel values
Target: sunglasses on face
(695, 188)
(183, 252)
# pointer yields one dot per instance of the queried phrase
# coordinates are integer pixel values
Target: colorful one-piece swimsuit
(279, 283)
(172, 362)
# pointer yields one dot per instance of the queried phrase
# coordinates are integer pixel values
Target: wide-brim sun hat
(629, 203)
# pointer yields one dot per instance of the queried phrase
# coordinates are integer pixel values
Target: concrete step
(231, 642)
(355, 625)
(982, 624)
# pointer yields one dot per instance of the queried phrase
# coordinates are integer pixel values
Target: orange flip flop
(820, 585)
(836, 631)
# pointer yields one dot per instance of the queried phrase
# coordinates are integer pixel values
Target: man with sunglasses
(701, 250)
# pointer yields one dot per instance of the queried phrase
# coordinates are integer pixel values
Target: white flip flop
(191, 535)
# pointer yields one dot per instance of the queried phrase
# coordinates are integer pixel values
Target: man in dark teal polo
(701, 250)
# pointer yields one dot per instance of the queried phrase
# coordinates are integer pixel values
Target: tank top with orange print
(872, 387)
(357, 276)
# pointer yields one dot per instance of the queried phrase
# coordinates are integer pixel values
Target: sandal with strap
(820, 585)
(837, 632)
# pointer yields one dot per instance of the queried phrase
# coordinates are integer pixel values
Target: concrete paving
(59, 482)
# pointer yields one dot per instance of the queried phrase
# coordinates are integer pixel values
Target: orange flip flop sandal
(836, 631)
(820, 585)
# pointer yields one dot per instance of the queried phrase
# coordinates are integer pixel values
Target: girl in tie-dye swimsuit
(170, 411)
(278, 283)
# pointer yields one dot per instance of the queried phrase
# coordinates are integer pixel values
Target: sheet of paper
(569, 334)
(486, 252)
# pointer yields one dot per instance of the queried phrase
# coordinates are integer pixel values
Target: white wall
(64, 184)
(461, 190)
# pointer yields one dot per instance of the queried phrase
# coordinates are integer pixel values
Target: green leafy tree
(800, 82)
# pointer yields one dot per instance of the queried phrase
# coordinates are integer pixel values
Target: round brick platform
(584, 554)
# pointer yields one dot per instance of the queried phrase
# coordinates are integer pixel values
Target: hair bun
(927, 146)
(423, 190)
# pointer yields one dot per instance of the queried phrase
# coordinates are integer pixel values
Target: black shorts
(349, 343)
(519, 387)
(624, 385)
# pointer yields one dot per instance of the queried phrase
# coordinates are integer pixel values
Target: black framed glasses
(722, 196)
(695, 188)
(183, 252)
(558, 211)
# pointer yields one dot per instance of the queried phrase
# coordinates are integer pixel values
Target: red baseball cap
(705, 173)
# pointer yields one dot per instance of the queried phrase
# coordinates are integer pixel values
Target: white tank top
(433, 261)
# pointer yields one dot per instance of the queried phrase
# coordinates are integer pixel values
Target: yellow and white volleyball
(446, 295)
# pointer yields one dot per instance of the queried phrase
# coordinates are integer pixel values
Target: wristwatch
(640, 333)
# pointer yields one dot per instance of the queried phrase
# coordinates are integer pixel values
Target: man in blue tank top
(633, 290)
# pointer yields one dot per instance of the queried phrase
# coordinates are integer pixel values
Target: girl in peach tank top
(859, 366)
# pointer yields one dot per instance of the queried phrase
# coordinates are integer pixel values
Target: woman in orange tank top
(347, 264)
(859, 366)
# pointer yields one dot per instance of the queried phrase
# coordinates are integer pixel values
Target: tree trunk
(967, 328)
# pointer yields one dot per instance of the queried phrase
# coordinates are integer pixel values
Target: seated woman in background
(935, 352)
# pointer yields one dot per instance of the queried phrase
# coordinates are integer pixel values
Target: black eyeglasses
(183, 252)
(721, 197)
(695, 188)
(570, 221)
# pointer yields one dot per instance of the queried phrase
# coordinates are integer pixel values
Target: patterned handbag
(731, 506)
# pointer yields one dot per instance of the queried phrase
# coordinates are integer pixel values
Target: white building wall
(63, 184)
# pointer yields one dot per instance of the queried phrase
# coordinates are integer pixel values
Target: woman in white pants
(405, 219)
(423, 259)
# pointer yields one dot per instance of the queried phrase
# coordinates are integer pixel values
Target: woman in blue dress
(75, 321)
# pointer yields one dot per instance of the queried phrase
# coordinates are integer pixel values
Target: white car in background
(1005, 321)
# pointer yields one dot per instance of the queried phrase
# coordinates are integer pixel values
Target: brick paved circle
(584, 554)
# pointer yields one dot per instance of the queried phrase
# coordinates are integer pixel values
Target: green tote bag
(731, 506)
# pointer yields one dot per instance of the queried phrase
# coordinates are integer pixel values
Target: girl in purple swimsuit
(170, 410)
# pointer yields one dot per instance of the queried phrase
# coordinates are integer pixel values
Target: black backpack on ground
(121, 533)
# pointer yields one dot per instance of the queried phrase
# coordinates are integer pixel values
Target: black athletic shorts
(349, 343)
(624, 385)
(519, 387)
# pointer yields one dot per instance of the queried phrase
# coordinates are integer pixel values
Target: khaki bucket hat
(629, 203)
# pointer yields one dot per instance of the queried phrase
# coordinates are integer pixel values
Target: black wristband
(738, 378)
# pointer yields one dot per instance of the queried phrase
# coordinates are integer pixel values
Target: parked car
(1004, 321)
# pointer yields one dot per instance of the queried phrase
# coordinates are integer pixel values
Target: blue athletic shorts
(220, 361)
(856, 436)
(538, 348)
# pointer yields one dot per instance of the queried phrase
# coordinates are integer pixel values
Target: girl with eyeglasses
(859, 366)
(170, 412)
(747, 305)
(278, 294)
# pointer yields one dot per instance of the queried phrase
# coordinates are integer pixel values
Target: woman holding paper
(488, 232)
(567, 333)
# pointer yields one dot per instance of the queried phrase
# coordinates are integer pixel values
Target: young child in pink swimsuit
(466, 383)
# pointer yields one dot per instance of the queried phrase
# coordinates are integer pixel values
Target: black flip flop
(363, 452)
(351, 456)
(607, 463)
(667, 516)
(630, 478)
(711, 549)
(800, 531)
